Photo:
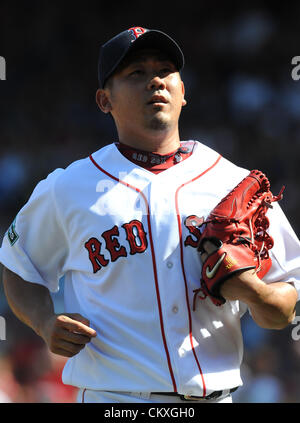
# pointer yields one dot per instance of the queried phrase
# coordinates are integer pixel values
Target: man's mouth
(157, 99)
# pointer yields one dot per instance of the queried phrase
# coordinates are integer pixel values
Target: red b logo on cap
(136, 31)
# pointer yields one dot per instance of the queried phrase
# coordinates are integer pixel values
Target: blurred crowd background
(242, 101)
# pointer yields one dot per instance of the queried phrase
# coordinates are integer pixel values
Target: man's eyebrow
(136, 58)
(140, 58)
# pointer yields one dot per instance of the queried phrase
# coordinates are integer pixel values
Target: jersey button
(169, 265)
(175, 309)
(181, 352)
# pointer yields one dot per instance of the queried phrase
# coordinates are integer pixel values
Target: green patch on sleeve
(12, 233)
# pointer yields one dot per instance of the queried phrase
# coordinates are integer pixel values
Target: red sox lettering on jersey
(136, 237)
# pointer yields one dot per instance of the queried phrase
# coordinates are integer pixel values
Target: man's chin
(159, 123)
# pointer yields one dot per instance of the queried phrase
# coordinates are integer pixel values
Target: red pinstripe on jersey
(154, 266)
(183, 269)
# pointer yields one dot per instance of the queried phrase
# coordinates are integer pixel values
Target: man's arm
(272, 305)
(65, 334)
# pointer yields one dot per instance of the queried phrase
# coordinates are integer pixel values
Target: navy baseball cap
(116, 49)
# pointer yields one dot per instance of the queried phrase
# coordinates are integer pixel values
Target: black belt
(213, 395)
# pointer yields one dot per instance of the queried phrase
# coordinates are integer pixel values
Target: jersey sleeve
(35, 245)
(285, 253)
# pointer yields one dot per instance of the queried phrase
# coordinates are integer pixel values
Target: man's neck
(154, 162)
(160, 143)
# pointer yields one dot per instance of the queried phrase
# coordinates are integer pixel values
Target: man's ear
(103, 101)
(184, 102)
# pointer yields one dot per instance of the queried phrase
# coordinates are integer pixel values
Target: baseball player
(128, 229)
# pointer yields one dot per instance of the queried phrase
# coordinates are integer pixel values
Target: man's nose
(156, 83)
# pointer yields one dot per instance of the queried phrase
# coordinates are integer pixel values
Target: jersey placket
(171, 279)
(145, 197)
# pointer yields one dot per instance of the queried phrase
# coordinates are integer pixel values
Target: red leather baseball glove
(237, 226)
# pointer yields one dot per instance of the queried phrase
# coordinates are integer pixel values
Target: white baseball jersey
(125, 239)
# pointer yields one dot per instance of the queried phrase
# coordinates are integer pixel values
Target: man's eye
(166, 70)
(136, 72)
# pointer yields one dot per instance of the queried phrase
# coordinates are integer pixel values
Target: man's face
(146, 93)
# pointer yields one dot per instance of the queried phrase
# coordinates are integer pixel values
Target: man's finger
(68, 346)
(62, 352)
(70, 336)
(75, 326)
(209, 247)
(78, 317)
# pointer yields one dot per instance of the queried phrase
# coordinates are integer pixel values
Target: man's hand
(67, 334)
